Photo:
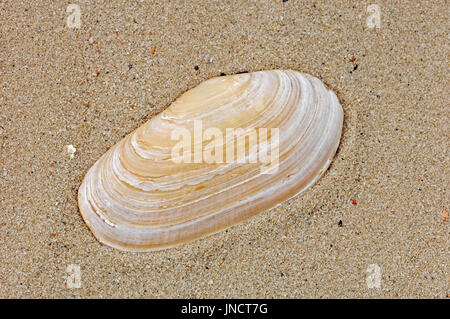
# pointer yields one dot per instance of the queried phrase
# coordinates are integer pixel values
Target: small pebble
(91, 40)
(445, 215)
(71, 150)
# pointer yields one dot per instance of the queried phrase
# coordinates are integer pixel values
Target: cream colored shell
(137, 198)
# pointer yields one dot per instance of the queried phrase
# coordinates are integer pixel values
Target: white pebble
(71, 150)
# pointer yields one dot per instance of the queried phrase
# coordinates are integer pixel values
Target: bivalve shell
(222, 152)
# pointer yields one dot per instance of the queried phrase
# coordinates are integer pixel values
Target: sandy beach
(87, 73)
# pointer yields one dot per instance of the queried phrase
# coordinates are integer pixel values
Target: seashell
(180, 176)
